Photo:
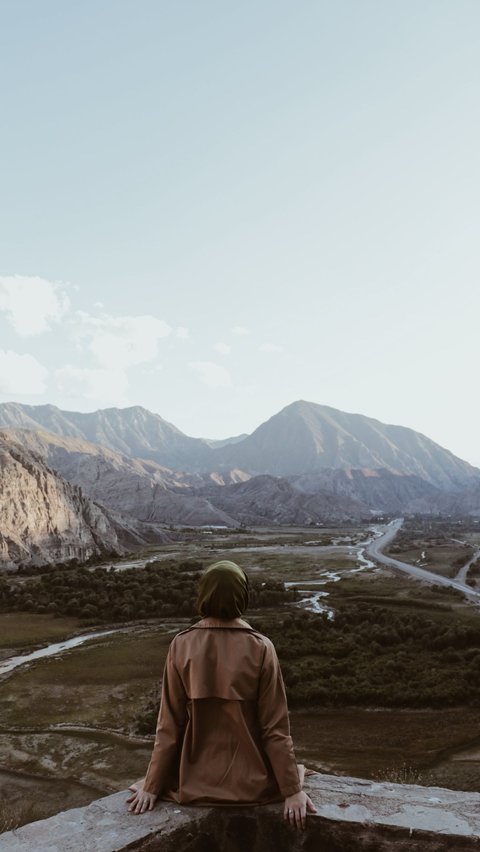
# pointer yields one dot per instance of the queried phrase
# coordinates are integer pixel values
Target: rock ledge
(353, 814)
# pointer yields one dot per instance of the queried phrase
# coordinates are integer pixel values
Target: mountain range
(302, 438)
(307, 464)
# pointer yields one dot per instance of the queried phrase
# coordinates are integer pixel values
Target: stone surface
(42, 517)
(102, 826)
(45, 519)
(352, 814)
(140, 489)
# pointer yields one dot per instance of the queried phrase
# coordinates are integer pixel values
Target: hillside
(132, 431)
(305, 438)
(141, 489)
(268, 499)
(378, 490)
(44, 518)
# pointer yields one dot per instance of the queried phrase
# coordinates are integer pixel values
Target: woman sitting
(223, 735)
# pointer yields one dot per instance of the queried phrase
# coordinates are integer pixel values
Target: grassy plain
(439, 546)
(22, 629)
(66, 722)
(383, 744)
(99, 683)
(396, 592)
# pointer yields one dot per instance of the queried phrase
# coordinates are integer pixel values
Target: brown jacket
(223, 733)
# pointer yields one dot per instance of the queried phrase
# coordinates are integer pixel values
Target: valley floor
(76, 725)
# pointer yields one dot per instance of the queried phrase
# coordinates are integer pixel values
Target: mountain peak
(308, 437)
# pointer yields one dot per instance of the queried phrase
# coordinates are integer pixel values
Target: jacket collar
(223, 622)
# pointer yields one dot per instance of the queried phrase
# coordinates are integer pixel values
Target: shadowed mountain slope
(268, 499)
(43, 518)
(455, 504)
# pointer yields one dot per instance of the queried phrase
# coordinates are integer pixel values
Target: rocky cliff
(137, 488)
(44, 518)
(352, 815)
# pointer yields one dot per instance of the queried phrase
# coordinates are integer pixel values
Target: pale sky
(213, 209)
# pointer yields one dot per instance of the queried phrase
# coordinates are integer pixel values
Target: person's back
(227, 704)
(223, 732)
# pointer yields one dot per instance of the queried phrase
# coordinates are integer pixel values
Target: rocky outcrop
(45, 519)
(140, 489)
(42, 517)
(353, 815)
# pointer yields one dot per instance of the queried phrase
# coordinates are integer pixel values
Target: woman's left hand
(140, 800)
(296, 807)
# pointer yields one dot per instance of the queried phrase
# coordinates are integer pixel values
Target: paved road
(462, 574)
(375, 551)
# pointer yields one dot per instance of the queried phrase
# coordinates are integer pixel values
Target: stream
(312, 600)
(12, 663)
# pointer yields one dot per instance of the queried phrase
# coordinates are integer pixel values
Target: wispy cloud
(270, 347)
(212, 374)
(105, 387)
(121, 342)
(32, 304)
(240, 330)
(223, 348)
(21, 374)
(182, 332)
(150, 371)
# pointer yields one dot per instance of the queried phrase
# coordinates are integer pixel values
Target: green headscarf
(223, 591)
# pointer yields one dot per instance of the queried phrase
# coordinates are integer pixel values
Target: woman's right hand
(295, 810)
(140, 801)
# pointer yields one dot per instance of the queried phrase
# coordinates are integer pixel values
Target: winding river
(313, 600)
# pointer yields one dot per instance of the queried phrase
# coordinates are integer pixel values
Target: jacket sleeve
(275, 726)
(170, 727)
